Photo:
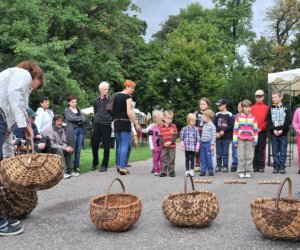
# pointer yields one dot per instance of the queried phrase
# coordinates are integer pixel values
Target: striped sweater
(245, 129)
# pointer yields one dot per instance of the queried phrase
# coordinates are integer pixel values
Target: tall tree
(197, 53)
(237, 17)
(283, 19)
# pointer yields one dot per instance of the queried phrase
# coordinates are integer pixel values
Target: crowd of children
(207, 132)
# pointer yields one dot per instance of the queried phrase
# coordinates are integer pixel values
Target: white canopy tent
(285, 81)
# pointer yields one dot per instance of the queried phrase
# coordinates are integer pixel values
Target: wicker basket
(32, 171)
(115, 212)
(278, 218)
(196, 208)
(17, 204)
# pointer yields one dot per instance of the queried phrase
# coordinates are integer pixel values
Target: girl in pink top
(153, 142)
(296, 125)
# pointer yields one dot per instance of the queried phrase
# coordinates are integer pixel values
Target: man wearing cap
(39, 140)
(224, 125)
(260, 111)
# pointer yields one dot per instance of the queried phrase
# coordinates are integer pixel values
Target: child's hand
(212, 148)
(218, 135)
(167, 144)
(235, 145)
(221, 133)
(182, 148)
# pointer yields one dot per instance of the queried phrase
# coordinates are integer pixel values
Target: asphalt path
(61, 219)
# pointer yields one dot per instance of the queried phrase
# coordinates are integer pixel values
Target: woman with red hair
(123, 116)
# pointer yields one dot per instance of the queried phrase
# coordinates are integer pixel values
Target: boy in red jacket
(260, 111)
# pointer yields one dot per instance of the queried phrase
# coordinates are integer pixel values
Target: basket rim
(259, 203)
(189, 193)
(92, 200)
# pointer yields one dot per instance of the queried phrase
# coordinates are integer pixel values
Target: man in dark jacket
(101, 127)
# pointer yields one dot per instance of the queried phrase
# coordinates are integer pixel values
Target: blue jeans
(234, 157)
(279, 150)
(78, 139)
(123, 139)
(206, 158)
(128, 153)
(3, 127)
(222, 148)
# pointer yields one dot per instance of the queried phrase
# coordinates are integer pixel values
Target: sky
(155, 12)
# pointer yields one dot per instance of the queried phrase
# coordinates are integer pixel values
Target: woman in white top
(44, 115)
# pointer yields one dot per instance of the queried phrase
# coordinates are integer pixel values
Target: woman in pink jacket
(296, 125)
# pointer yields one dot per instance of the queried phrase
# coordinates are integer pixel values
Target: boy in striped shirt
(245, 135)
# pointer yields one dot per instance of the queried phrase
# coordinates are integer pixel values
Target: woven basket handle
(107, 193)
(32, 149)
(280, 190)
(185, 183)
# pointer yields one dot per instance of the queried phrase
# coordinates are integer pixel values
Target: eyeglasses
(258, 96)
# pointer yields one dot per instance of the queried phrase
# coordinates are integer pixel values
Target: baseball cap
(221, 102)
(30, 112)
(259, 92)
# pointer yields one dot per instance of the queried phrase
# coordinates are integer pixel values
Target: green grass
(86, 157)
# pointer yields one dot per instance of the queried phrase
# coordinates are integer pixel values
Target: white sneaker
(187, 173)
(67, 176)
(248, 175)
(192, 173)
(241, 175)
(74, 174)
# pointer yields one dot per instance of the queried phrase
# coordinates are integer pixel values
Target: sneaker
(10, 230)
(67, 176)
(197, 169)
(192, 172)
(241, 175)
(248, 175)
(93, 168)
(255, 169)
(211, 174)
(218, 169)
(225, 170)
(13, 222)
(162, 175)
(275, 171)
(282, 171)
(202, 174)
(187, 173)
(103, 169)
(172, 173)
(156, 173)
(74, 174)
(233, 169)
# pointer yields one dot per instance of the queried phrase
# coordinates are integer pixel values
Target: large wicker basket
(278, 218)
(17, 204)
(196, 208)
(32, 171)
(116, 211)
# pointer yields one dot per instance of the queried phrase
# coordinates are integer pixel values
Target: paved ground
(61, 219)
